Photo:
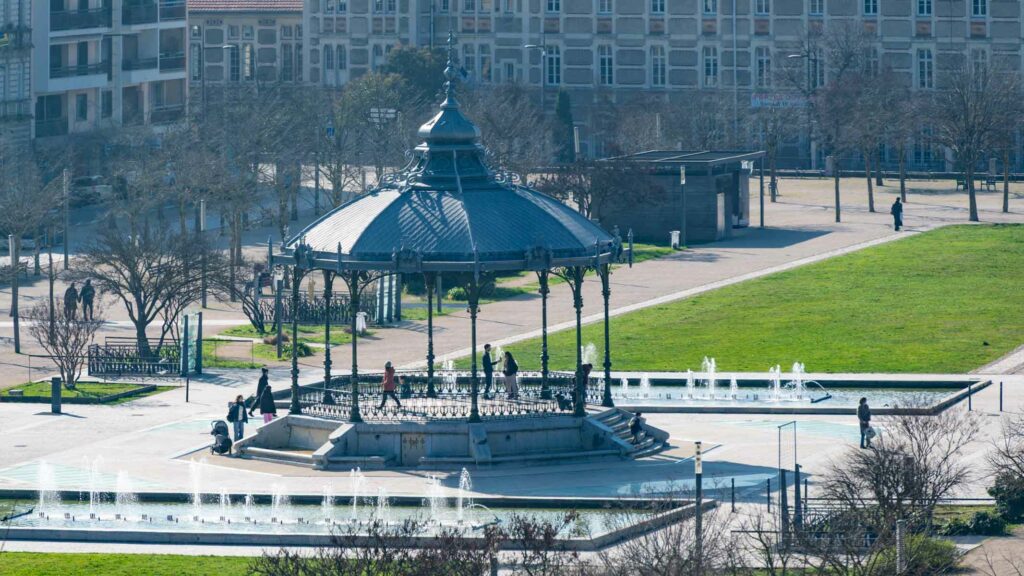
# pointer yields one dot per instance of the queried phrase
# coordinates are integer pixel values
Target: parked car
(86, 190)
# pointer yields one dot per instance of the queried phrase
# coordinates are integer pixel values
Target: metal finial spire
(450, 73)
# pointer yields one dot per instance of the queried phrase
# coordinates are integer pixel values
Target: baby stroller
(221, 439)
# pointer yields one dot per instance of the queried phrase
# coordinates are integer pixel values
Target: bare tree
(156, 274)
(513, 129)
(589, 186)
(65, 339)
(970, 107)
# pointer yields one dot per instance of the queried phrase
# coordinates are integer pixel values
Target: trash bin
(674, 239)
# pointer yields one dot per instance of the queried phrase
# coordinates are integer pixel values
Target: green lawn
(39, 564)
(85, 389)
(944, 301)
(307, 333)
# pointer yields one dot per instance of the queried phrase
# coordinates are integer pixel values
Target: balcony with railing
(79, 70)
(130, 64)
(167, 114)
(174, 10)
(172, 61)
(80, 19)
(51, 127)
(139, 13)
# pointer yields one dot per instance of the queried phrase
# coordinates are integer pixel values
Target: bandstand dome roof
(447, 211)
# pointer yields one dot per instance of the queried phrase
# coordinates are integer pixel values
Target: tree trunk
(1006, 180)
(903, 174)
(835, 175)
(972, 200)
(183, 217)
(773, 182)
(867, 173)
(878, 169)
(141, 340)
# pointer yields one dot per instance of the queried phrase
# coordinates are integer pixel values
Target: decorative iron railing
(452, 399)
(314, 310)
(122, 356)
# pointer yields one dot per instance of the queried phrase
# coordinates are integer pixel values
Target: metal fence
(123, 356)
(452, 399)
(314, 310)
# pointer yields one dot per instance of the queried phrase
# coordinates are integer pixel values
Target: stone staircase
(652, 442)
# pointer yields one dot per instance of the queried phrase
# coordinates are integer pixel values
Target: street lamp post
(811, 59)
(543, 73)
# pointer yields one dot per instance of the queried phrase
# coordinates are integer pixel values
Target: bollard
(783, 506)
(733, 494)
(768, 492)
(55, 392)
(797, 511)
(901, 552)
(806, 493)
(970, 397)
(1000, 395)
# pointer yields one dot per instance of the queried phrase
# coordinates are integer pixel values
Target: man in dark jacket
(864, 418)
(897, 214)
(238, 417)
(264, 380)
(86, 296)
(71, 302)
(488, 370)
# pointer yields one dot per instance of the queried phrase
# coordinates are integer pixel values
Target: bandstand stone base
(544, 439)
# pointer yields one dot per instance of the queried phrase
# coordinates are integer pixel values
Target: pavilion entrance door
(414, 447)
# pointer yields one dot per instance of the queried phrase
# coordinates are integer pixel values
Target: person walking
(260, 386)
(238, 416)
(864, 418)
(268, 408)
(897, 214)
(511, 370)
(71, 302)
(636, 428)
(86, 297)
(388, 384)
(488, 370)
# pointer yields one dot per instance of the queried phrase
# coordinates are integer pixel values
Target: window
(314, 25)
(924, 147)
(924, 7)
(247, 33)
(330, 7)
(249, 62)
(314, 6)
(445, 5)
(710, 7)
(605, 65)
(816, 64)
(342, 6)
(604, 6)
(233, 64)
(979, 8)
(342, 57)
(554, 5)
(328, 58)
(871, 7)
(510, 6)
(510, 72)
(232, 32)
(763, 7)
(298, 63)
(377, 58)
(383, 6)
(553, 65)
(871, 62)
(763, 63)
(106, 104)
(468, 60)
(657, 6)
(469, 5)
(925, 69)
(81, 107)
(298, 31)
(979, 59)
(328, 26)
(195, 62)
(710, 66)
(197, 32)
(286, 32)
(485, 63)
(816, 7)
(286, 63)
(314, 57)
(657, 65)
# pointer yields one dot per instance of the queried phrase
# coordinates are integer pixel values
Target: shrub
(925, 557)
(982, 523)
(457, 294)
(1008, 491)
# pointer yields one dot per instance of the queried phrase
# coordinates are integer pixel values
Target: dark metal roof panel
(347, 223)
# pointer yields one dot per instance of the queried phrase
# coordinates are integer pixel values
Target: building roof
(448, 211)
(691, 157)
(260, 6)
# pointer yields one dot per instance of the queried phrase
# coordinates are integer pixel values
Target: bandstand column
(577, 272)
(295, 407)
(606, 292)
(353, 299)
(328, 293)
(428, 282)
(545, 388)
(474, 301)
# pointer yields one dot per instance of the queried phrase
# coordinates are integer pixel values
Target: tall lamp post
(811, 59)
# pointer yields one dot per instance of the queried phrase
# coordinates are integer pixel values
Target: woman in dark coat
(266, 404)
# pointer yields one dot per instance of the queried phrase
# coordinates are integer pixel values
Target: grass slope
(39, 564)
(944, 301)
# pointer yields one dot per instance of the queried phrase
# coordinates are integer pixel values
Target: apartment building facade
(107, 63)
(15, 76)
(632, 51)
(244, 41)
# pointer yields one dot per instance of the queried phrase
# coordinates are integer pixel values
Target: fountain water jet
(463, 500)
(356, 484)
(49, 497)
